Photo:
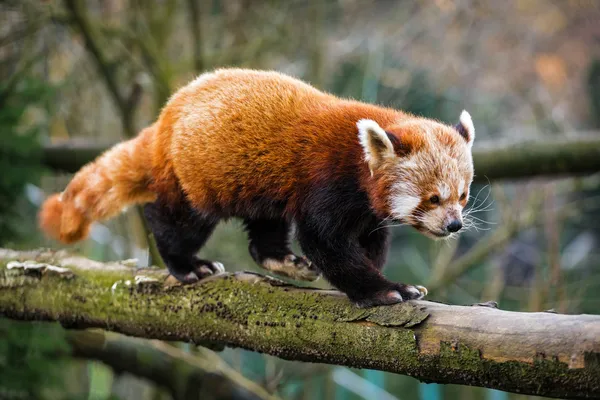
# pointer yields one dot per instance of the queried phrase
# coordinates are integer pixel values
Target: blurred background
(96, 72)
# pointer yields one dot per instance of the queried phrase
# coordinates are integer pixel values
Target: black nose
(454, 226)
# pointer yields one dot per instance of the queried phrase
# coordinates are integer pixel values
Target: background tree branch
(534, 353)
(184, 375)
(195, 21)
(543, 157)
(126, 104)
(105, 68)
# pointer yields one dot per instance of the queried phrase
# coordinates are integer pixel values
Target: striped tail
(100, 190)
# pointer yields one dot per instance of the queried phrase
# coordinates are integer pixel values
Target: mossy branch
(522, 159)
(535, 353)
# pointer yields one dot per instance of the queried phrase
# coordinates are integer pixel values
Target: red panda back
(235, 135)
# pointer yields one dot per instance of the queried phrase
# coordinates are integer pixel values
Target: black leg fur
(270, 248)
(376, 242)
(269, 238)
(338, 237)
(345, 265)
(179, 232)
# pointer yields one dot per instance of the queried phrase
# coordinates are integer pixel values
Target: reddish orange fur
(225, 139)
(100, 190)
(50, 216)
(237, 149)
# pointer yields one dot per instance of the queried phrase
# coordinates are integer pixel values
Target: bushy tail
(100, 190)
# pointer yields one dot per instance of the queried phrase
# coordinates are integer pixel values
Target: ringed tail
(118, 178)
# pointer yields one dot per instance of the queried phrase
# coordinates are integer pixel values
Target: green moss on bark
(433, 342)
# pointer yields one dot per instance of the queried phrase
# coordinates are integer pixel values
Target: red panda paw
(292, 266)
(381, 298)
(412, 292)
(400, 293)
(200, 270)
(205, 268)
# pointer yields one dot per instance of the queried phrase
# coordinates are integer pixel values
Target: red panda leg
(179, 232)
(376, 242)
(345, 265)
(270, 248)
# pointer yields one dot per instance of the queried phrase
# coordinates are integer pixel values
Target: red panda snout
(429, 192)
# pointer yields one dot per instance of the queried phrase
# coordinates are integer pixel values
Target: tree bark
(523, 159)
(542, 354)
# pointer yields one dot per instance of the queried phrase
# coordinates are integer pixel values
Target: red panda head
(421, 171)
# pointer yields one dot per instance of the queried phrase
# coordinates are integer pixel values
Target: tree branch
(534, 353)
(195, 14)
(525, 159)
(543, 156)
(183, 374)
(81, 22)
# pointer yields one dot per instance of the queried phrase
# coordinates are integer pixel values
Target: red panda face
(421, 172)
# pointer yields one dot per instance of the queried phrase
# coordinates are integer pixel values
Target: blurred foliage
(413, 92)
(20, 152)
(593, 86)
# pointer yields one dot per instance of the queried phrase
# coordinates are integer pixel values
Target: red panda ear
(376, 143)
(465, 127)
(405, 141)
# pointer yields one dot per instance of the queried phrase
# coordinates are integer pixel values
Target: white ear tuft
(375, 142)
(465, 127)
(467, 122)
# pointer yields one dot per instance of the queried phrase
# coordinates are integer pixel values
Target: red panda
(274, 151)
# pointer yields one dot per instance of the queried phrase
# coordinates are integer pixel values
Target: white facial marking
(444, 190)
(461, 187)
(433, 219)
(403, 206)
(404, 199)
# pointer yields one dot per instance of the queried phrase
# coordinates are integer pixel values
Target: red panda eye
(434, 199)
(463, 196)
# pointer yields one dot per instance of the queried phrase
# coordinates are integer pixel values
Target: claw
(206, 268)
(218, 267)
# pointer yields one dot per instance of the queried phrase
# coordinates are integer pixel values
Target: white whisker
(383, 224)
(483, 221)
